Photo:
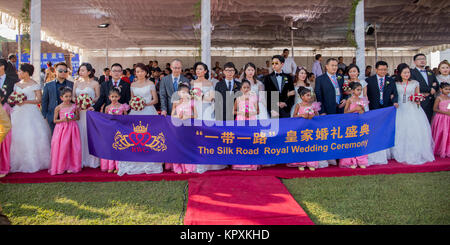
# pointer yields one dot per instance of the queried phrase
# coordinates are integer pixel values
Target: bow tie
(278, 74)
(423, 70)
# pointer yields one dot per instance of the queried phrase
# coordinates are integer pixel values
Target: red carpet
(281, 171)
(242, 200)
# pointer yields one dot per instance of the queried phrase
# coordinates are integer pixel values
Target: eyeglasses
(275, 63)
(229, 70)
(62, 71)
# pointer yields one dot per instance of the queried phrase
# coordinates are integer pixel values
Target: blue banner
(273, 141)
(53, 57)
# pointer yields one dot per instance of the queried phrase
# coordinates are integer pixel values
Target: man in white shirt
(317, 67)
(289, 67)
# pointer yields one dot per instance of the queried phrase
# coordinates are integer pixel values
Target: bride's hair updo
(144, 68)
(400, 68)
(28, 68)
(204, 66)
(89, 68)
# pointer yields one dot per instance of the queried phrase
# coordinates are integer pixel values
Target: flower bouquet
(196, 93)
(84, 101)
(16, 98)
(346, 87)
(115, 111)
(69, 115)
(417, 98)
(137, 103)
(309, 110)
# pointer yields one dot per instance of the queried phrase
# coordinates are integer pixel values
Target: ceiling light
(105, 25)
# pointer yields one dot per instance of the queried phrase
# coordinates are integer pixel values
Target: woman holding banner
(146, 89)
(204, 104)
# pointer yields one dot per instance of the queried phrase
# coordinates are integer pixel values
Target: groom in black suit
(227, 88)
(281, 83)
(381, 89)
(6, 82)
(125, 93)
(428, 83)
(329, 90)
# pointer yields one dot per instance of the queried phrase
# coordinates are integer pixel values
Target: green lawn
(400, 199)
(378, 199)
(136, 203)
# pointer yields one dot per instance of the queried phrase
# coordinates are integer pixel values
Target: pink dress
(111, 165)
(66, 145)
(5, 146)
(313, 109)
(361, 160)
(440, 129)
(249, 106)
(183, 109)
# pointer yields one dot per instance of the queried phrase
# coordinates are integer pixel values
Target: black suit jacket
(427, 104)
(424, 86)
(125, 94)
(326, 94)
(373, 92)
(225, 99)
(102, 79)
(8, 85)
(12, 72)
(287, 84)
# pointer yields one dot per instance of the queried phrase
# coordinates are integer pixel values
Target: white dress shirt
(2, 80)
(289, 67)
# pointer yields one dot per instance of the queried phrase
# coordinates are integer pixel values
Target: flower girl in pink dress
(66, 141)
(246, 108)
(355, 104)
(440, 126)
(6, 143)
(115, 108)
(183, 109)
(306, 109)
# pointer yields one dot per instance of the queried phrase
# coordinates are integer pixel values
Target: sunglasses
(62, 71)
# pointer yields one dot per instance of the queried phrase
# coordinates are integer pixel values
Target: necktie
(229, 85)
(175, 84)
(106, 78)
(381, 90)
(336, 87)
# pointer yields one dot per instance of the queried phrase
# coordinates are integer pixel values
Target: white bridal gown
(30, 135)
(87, 160)
(413, 140)
(142, 167)
(205, 111)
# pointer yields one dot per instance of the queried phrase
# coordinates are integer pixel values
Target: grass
(400, 199)
(358, 200)
(136, 203)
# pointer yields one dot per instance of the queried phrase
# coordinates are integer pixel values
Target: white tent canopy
(237, 23)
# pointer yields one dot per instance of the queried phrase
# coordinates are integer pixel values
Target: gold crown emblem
(140, 128)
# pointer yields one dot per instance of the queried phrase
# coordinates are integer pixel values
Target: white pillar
(35, 35)
(19, 46)
(292, 43)
(360, 39)
(206, 32)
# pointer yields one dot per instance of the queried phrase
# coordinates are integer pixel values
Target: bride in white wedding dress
(147, 90)
(413, 140)
(30, 135)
